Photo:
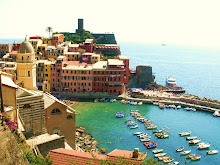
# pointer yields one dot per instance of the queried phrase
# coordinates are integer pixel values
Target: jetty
(185, 100)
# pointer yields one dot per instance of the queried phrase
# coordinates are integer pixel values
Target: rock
(103, 150)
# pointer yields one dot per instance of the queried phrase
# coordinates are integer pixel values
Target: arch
(69, 117)
(55, 111)
(26, 106)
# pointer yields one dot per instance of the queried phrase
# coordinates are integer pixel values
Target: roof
(100, 65)
(71, 53)
(8, 81)
(123, 57)
(64, 156)
(57, 35)
(115, 62)
(88, 54)
(146, 65)
(74, 45)
(26, 47)
(35, 40)
(88, 41)
(75, 65)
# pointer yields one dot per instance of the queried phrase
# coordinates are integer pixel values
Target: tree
(49, 29)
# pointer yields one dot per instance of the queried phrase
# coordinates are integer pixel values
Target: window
(29, 74)
(55, 111)
(69, 117)
(26, 106)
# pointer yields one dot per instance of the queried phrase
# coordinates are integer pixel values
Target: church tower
(26, 66)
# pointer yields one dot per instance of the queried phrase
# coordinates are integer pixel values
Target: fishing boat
(145, 140)
(203, 146)
(137, 133)
(161, 105)
(133, 126)
(194, 141)
(164, 157)
(191, 137)
(212, 152)
(185, 133)
(147, 143)
(190, 156)
(157, 151)
(140, 103)
(152, 146)
(196, 157)
(168, 160)
(151, 127)
(180, 149)
(160, 154)
(185, 152)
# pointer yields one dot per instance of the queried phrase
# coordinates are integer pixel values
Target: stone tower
(80, 26)
(26, 66)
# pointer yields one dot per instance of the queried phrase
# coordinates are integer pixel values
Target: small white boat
(123, 101)
(196, 157)
(145, 140)
(180, 149)
(168, 160)
(174, 106)
(96, 100)
(190, 156)
(142, 134)
(161, 105)
(185, 133)
(185, 152)
(188, 108)
(160, 154)
(194, 109)
(137, 133)
(203, 146)
(194, 141)
(140, 103)
(133, 126)
(216, 113)
(174, 163)
(157, 151)
(178, 107)
(212, 152)
(135, 103)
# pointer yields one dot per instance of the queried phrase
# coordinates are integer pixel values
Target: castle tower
(80, 26)
(26, 66)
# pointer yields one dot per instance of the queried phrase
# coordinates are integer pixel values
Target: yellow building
(35, 43)
(26, 66)
(47, 41)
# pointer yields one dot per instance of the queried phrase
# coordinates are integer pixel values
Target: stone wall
(10, 152)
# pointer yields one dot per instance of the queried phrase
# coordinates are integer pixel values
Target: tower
(80, 26)
(26, 66)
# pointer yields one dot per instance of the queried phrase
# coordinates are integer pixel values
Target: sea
(196, 69)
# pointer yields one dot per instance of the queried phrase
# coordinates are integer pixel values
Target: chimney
(135, 153)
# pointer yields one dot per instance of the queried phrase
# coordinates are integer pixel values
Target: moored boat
(191, 137)
(196, 157)
(185, 152)
(185, 133)
(152, 146)
(161, 105)
(96, 100)
(135, 103)
(157, 151)
(190, 156)
(119, 114)
(178, 107)
(142, 134)
(163, 136)
(151, 127)
(212, 152)
(216, 113)
(133, 126)
(157, 131)
(140, 103)
(194, 141)
(160, 154)
(203, 146)
(137, 133)
(180, 149)
(168, 160)
(145, 140)
(163, 157)
(174, 163)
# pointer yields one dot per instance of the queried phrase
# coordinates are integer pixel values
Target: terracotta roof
(64, 157)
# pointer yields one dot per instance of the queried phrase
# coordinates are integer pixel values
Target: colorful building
(57, 39)
(4, 49)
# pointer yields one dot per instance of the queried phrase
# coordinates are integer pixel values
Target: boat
(111, 100)
(107, 100)
(162, 136)
(123, 101)
(163, 157)
(133, 111)
(174, 163)
(212, 152)
(196, 157)
(170, 106)
(126, 121)
(119, 114)
(190, 156)
(157, 151)
(168, 160)
(160, 154)
(188, 108)
(194, 109)
(185, 152)
(185, 133)
(133, 126)
(152, 146)
(131, 123)
(147, 143)
(142, 134)
(180, 149)
(145, 140)
(96, 100)
(216, 113)
(140, 103)
(137, 133)
(157, 131)
(131, 102)
(203, 146)
(102, 99)
(135, 103)
(151, 127)
(191, 137)
(178, 107)
(194, 141)
(161, 105)
(170, 82)
(174, 106)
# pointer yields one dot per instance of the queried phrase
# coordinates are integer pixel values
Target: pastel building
(4, 49)
(57, 39)
(125, 60)
(35, 43)
(16, 46)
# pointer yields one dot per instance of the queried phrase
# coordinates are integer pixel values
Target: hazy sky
(163, 21)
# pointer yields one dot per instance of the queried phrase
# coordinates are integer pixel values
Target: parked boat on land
(185, 133)
(185, 152)
(157, 151)
(212, 152)
(203, 146)
(180, 149)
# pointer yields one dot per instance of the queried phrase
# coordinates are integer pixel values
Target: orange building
(57, 39)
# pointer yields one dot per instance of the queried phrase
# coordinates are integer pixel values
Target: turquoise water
(99, 119)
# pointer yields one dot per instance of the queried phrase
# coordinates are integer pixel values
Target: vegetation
(36, 160)
(49, 30)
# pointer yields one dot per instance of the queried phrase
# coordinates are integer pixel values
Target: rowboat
(179, 149)
(185, 133)
(190, 156)
(212, 152)
(137, 133)
(163, 157)
(160, 154)
(191, 137)
(195, 141)
(196, 157)
(185, 152)
(203, 146)
(168, 160)
(157, 151)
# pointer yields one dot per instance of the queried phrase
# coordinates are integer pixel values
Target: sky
(191, 22)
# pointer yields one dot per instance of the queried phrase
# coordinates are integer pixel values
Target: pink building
(73, 48)
(125, 60)
(89, 45)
